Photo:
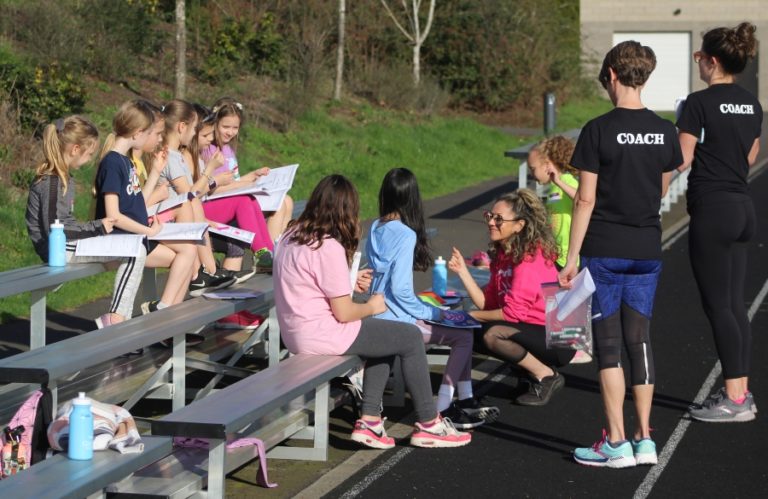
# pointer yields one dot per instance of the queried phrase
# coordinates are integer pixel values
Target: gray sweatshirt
(46, 203)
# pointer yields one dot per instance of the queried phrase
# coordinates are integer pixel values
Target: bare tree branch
(397, 23)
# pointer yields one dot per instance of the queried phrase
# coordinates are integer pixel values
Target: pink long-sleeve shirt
(516, 289)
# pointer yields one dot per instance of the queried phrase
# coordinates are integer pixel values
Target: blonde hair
(132, 117)
(57, 137)
(559, 151)
(536, 233)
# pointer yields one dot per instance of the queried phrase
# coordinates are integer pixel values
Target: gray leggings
(378, 342)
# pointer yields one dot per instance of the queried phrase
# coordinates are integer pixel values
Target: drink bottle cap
(439, 260)
(81, 399)
(57, 225)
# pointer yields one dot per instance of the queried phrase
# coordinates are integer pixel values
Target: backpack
(24, 440)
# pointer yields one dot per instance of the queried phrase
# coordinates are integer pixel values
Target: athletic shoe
(460, 418)
(240, 275)
(723, 410)
(149, 306)
(262, 261)
(372, 435)
(440, 434)
(240, 320)
(645, 451)
(604, 455)
(751, 399)
(205, 281)
(103, 321)
(475, 407)
(718, 395)
(581, 357)
(539, 392)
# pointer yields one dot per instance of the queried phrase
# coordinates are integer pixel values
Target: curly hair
(731, 46)
(632, 62)
(536, 233)
(559, 151)
(332, 211)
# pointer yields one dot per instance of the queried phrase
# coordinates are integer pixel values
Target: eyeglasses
(498, 219)
(699, 55)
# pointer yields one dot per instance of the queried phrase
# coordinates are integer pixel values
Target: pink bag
(262, 479)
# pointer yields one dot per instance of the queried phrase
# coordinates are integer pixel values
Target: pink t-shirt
(305, 279)
(230, 160)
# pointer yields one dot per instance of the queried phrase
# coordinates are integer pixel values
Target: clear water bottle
(440, 277)
(81, 429)
(234, 168)
(57, 245)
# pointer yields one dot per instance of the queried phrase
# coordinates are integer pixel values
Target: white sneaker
(440, 434)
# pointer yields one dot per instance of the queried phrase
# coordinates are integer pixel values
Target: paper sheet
(173, 201)
(181, 232)
(117, 245)
(567, 300)
(353, 271)
(233, 232)
(270, 189)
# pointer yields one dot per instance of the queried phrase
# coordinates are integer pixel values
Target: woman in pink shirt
(313, 298)
(523, 251)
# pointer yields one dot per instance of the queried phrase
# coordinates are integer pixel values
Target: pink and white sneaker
(440, 434)
(240, 320)
(372, 435)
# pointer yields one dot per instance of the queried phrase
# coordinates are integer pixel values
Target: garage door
(672, 77)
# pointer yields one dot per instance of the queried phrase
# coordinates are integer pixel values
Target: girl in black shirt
(719, 136)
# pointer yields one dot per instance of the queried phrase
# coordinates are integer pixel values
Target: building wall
(601, 18)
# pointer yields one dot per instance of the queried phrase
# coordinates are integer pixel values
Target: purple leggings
(459, 365)
(246, 212)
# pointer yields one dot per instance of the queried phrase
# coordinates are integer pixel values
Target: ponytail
(67, 132)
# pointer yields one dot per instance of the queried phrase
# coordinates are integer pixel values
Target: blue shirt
(389, 251)
(117, 175)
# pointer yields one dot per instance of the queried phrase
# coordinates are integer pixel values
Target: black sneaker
(475, 407)
(149, 306)
(461, 419)
(539, 392)
(239, 276)
(209, 282)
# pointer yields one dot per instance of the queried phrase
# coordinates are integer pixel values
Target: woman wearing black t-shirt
(719, 136)
(626, 158)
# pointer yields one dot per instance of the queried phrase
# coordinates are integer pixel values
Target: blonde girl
(227, 120)
(119, 197)
(68, 144)
(548, 162)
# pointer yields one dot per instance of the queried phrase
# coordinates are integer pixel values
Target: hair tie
(162, 109)
(59, 124)
(215, 109)
(239, 106)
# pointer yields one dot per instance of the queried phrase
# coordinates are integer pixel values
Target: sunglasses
(699, 55)
(498, 220)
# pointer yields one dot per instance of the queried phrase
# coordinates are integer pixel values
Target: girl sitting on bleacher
(68, 144)
(397, 246)
(313, 298)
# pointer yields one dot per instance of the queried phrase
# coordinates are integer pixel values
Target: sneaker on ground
(206, 281)
(718, 395)
(262, 261)
(581, 357)
(723, 410)
(440, 434)
(604, 455)
(460, 418)
(240, 320)
(645, 451)
(149, 306)
(372, 435)
(540, 392)
(475, 407)
(103, 321)
(240, 276)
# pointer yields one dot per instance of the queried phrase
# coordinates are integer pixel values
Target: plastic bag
(569, 314)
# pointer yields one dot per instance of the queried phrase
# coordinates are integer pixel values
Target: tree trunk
(340, 53)
(181, 50)
(416, 64)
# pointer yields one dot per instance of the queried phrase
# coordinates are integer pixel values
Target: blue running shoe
(603, 455)
(645, 451)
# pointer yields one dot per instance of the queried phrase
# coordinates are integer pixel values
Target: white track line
(377, 473)
(674, 440)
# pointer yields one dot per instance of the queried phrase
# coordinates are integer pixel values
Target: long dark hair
(332, 211)
(399, 194)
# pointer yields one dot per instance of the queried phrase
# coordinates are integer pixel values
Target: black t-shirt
(628, 149)
(726, 119)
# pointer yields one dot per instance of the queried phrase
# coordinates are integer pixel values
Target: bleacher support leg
(273, 336)
(179, 371)
(37, 318)
(216, 453)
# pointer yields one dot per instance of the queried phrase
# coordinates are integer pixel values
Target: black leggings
(513, 341)
(632, 329)
(721, 226)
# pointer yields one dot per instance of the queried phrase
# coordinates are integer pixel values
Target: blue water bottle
(440, 277)
(57, 245)
(81, 429)
(233, 167)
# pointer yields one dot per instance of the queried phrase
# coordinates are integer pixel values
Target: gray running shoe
(723, 410)
(751, 401)
(718, 395)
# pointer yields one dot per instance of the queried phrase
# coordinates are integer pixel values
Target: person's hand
(377, 303)
(155, 227)
(264, 170)
(109, 224)
(250, 176)
(567, 274)
(553, 173)
(364, 279)
(457, 263)
(225, 178)
(160, 159)
(216, 161)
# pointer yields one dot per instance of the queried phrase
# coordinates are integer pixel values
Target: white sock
(161, 305)
(465, 390)
(444, 397)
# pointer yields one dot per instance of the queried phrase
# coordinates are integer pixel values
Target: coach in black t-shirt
(626, 158)
(719, 136)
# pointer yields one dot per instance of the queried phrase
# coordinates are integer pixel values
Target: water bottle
(81, 429)
(57, 245)
(232, 165)
(440, 277)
